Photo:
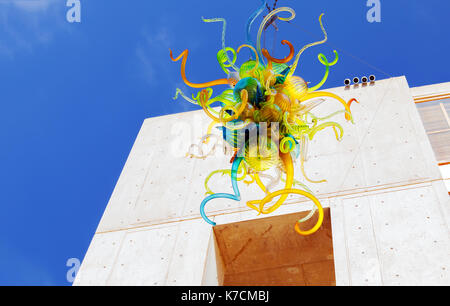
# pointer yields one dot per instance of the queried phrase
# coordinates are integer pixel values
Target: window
(435, 113)
(268, 251)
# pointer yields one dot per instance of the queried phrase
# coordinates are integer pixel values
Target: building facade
(387, 204)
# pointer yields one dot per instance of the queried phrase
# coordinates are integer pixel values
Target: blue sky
(73, 96)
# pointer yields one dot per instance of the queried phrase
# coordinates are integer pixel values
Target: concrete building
(387, 218)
